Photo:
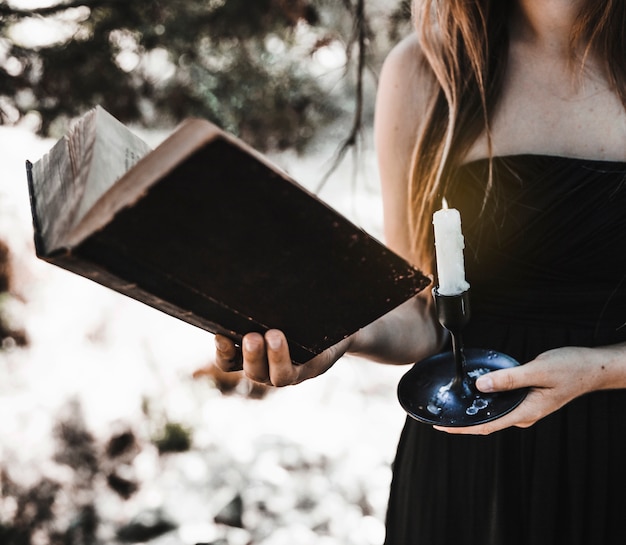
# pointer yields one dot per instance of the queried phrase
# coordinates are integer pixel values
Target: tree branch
(359, 37)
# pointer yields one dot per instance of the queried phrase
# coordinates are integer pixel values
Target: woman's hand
(404, 335)
(554, 378)
(266, 358)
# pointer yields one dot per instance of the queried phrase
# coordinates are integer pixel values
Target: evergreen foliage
(248, 66)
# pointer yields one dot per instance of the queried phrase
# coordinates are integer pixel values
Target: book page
(59, 178)
(101, 205)
(80, 168)
(115, 151)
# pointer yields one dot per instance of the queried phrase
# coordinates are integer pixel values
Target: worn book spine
(33, 205)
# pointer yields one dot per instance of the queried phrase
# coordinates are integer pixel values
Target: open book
(207, 230)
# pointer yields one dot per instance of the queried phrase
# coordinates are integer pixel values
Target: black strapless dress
(546, 261)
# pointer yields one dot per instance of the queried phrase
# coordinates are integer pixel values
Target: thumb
(502, 380)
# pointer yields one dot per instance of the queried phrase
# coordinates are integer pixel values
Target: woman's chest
(545, 109)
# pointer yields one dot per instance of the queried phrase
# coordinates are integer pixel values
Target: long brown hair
(465, 44)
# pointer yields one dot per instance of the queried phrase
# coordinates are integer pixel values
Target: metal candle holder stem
(453, 313)
(441, 389)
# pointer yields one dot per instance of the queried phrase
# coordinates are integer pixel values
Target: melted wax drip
(439, 400)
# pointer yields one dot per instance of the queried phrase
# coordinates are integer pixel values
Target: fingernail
(274, 341)
(248, 344)
(221, 344)
(485, 383)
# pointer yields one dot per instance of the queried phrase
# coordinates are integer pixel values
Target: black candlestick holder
(441, 390)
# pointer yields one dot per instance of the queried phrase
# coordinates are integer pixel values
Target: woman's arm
(555, 378)
(402, 99)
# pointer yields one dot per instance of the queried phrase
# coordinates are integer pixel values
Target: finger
(228, 355)
(255, 363)
(281, 369)
(505, 379)
(523, 416)
(322, 362)
(481, 429)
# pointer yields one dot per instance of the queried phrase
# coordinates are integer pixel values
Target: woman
(515, 111)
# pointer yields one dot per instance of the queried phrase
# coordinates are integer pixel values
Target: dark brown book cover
(229, 243)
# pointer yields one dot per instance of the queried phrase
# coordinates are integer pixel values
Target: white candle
(449, 244)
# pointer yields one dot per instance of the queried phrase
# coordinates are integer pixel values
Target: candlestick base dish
(431, 393)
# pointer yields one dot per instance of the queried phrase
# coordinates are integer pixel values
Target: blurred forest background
(294, 78)
(271, 71)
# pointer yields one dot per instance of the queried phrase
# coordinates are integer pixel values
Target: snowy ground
(310, 463)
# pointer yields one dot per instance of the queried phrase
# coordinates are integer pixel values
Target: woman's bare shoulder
(407, 76)
(405, 89)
